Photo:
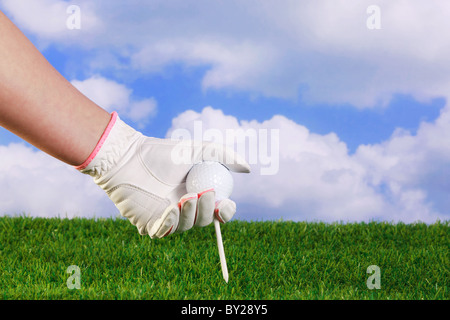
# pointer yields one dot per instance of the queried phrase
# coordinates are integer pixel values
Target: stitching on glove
(161, 202)
(147, 169)
(134, 188)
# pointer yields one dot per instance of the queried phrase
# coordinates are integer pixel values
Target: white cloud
(141, 111)
(322, 48)
(35, 184)
(405, 178)
(111, 95)
(414, 168)
(47, 19)
(241, 66)
(319, 180)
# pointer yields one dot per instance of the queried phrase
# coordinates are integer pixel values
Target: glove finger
(225, 210)
(188, 210)
(205, 208)
(167, 224)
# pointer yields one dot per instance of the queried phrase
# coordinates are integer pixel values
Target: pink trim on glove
(216, 212)
(168, 232)
(182, 201)
(203, 192)
(100, 142)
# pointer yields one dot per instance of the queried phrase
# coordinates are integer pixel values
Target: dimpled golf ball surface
(207, 175)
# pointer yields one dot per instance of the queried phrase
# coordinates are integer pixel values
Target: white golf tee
(223, 262)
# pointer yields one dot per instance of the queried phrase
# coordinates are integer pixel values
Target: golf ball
(207, 175)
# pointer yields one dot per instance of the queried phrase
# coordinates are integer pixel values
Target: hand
(145, 178)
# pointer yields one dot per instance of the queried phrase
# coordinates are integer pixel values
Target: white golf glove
(145, 178)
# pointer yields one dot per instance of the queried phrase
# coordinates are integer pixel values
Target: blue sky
(179, 89)
(362, 112)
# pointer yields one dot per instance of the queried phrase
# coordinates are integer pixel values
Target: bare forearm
(38, 104)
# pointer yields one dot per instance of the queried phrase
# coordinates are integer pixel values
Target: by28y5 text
(245, 309)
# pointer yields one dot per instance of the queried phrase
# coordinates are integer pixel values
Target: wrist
(110, 148)
(97, 148)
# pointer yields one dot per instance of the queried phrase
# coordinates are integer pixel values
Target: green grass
(266, 260)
